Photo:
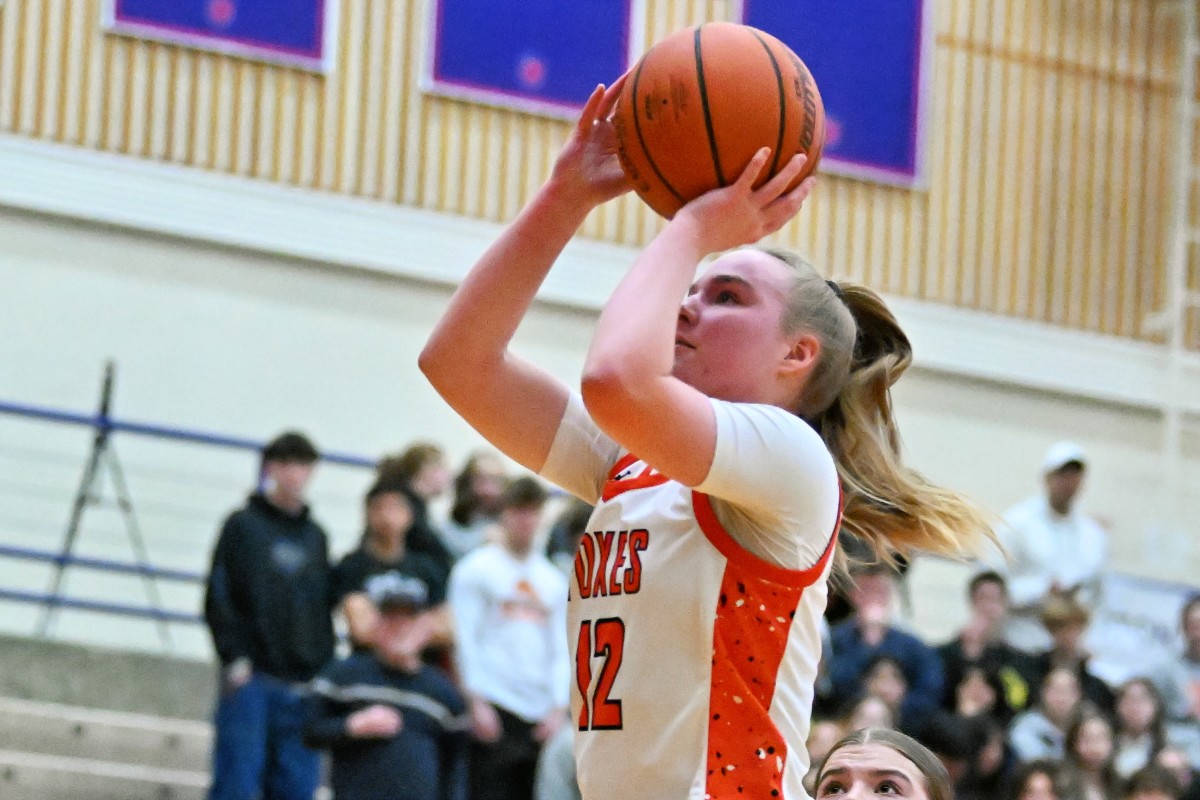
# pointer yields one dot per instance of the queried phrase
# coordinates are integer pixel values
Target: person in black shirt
(268, 606)
(422, 471)
(395, 727)
(980, 646)
(383, 551)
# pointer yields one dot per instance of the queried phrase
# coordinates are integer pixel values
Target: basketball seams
(637, 128)
(717, 71)
(708, 123)
(782, 101)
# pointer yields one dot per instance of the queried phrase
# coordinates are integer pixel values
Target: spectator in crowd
(981, 693)
(980, 644)
(953, 740)
(1089, 757)
(1040, 732)
(1152, 783)
(869, 763)
(1039, 780)
(566, 532)
(1053, 548)
(867, 633)
(1186, 775)
(868, 711)
(1141, 725)
(509, 608)
(990, 767)
(422, 470)
(394, 726)
(884, 678)
(476, 507)
(268, 605)
(1179, 680)
(384, 551)
(556, 779)
(1066, 619)
(823, 735)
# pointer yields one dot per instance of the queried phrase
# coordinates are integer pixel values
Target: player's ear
(802, 356)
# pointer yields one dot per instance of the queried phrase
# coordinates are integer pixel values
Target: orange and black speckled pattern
(746, 753)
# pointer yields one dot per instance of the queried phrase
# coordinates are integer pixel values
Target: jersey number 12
(604, 638)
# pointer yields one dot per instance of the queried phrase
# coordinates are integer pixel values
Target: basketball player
(711, 436)
(876, 761)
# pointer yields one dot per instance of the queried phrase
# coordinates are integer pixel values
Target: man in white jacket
(1053, 548)
(509, 604)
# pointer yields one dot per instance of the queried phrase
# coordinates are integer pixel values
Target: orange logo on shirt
(525, 604)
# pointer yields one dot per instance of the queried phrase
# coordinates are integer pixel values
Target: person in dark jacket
(268, 606)
(395, 727)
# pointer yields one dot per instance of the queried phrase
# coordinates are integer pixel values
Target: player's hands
(374, 722)
(739, 214)
(587, 167)
(485, 721)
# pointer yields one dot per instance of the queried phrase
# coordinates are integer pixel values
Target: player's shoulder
(777, 427)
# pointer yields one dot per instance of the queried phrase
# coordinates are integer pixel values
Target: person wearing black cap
(395, 727)
(268, 606)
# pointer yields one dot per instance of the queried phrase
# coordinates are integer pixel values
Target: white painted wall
(243, 344)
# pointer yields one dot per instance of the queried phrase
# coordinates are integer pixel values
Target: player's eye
(725, 296)
(831, 789)
(888, 788)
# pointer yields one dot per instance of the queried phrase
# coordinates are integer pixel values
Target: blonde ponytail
(888, 505)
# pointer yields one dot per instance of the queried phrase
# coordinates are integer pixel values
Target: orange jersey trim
(756, 609)
(715, 532)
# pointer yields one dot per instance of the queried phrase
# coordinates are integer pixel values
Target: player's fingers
(778, 184)
(610, 97)
(754, 169)
(786, 207)
(587, 117)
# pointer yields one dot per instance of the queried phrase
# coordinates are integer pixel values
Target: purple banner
(544, 56)
(869, 58)
(294, 32)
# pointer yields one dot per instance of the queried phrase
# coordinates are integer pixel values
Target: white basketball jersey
(694, 659)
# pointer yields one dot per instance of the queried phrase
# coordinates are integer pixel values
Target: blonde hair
(887, 505)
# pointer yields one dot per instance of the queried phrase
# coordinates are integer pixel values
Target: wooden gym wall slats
(1048, 148)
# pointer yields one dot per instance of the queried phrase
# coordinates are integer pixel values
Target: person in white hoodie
(1053, 548)
(509, 605)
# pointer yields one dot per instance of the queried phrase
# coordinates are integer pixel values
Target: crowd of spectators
(453, 680)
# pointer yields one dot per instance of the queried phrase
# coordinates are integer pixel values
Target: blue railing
(102, 424)
(101, 564)
(105, 423)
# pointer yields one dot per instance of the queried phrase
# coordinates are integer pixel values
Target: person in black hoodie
(268, 606)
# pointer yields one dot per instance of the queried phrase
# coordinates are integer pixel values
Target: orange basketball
(700, 104)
